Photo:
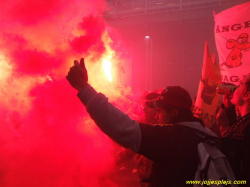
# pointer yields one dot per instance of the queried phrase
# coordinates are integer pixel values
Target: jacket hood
(201, 131)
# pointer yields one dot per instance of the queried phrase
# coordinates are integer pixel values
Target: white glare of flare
(106, 64)
(5, 68)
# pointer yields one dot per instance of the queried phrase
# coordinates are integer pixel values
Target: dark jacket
(174, 150)
(236, 146)
(172, 147)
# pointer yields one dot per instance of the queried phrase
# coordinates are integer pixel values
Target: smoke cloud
(46, 136)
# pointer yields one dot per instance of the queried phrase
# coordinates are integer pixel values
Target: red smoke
(93, 29)
(46, 136)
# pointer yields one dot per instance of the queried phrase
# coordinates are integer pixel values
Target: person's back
(175, 156)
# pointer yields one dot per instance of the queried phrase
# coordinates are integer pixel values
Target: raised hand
(78, 75)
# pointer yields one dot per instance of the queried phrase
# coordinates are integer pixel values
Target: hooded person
(143, 165)
(171, 145)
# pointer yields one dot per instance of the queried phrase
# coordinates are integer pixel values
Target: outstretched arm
(113, 122)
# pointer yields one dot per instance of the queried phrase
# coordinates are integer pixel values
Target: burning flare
(106, 64)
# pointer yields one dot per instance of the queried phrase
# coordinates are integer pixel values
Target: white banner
(232, 31)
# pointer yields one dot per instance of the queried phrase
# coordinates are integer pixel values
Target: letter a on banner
(232, 31)
(208, 99)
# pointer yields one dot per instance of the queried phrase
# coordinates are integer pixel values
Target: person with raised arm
(171, 144)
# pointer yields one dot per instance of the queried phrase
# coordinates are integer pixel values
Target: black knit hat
(174, 96)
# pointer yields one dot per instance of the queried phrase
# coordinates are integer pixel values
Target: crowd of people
(169, 144)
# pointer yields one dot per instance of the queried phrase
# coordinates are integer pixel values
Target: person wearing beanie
(170, 144)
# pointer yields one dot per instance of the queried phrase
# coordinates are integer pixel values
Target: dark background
(178, 29)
